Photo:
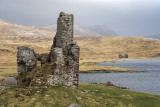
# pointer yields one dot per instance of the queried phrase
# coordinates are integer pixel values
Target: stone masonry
(26, 59)
(63, 56)
(65, 53)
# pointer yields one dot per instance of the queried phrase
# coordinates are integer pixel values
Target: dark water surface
(142, 81)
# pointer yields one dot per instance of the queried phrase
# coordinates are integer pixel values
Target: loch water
(138, 81)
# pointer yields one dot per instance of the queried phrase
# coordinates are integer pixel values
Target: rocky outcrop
(63, 58)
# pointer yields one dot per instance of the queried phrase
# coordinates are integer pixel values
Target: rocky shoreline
(111, 84)
(108, 71)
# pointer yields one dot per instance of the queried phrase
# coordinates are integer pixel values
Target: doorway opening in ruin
(38, 63)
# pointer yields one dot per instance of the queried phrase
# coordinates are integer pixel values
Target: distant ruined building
(123, 55)
(63, 59)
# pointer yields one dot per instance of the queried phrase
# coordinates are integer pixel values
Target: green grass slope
(87, 95)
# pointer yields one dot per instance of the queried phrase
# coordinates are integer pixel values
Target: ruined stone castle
(63, 58)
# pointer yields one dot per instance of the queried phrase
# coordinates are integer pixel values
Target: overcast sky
(125, 17)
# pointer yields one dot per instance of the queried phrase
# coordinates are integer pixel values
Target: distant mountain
(78, 30)
(102, 30)
(84, 31)
(156, 36)
(87, 31)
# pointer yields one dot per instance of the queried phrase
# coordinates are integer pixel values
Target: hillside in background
(13, 31)
(107, 48)
(98, 49)
(156, 36)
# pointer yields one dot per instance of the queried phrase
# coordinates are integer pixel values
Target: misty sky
(125, 17)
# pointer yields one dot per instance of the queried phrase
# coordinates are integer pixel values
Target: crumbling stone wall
(26, 59)
(64, 34)
(63, 56)
(65, 53)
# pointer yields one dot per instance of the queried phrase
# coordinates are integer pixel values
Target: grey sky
(125, 17)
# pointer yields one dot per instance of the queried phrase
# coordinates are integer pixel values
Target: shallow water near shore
(8, 82)
(138, 81)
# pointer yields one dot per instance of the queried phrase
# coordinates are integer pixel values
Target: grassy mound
(29, 78)
(87, 95)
